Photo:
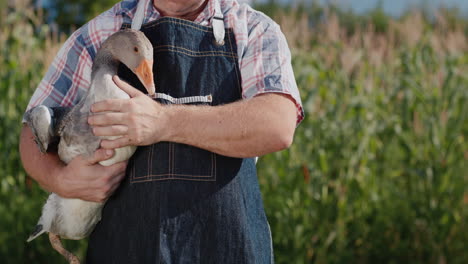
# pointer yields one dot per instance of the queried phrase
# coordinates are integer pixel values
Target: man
(190, 192)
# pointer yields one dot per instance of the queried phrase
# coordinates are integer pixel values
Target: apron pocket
(172, 161)
(168, 160)
(191, 163)
(150, 163)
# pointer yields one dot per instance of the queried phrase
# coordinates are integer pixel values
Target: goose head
(132, 48)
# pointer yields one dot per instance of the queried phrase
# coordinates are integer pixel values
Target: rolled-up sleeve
(266, 65)
(67, 78)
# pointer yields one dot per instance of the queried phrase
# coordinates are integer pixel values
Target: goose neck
(104, 63)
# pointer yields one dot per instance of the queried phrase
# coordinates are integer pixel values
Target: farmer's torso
(178, 203)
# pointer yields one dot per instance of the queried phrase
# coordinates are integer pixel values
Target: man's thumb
(100, 155)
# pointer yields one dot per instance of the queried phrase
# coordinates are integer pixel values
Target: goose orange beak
(144, 71)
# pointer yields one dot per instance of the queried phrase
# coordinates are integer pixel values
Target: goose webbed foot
(57, 245)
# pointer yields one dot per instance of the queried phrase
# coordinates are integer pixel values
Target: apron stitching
(133, 172)
(150, 164)
(170, 159)
(130, 171)
(171, 169)
(176, 21)
(212, 163)
(174, 149)
(178, 174)
(173, 159)
(214, 167)
(174, 178)
(197, 52)
(194, 55)
(182, 22)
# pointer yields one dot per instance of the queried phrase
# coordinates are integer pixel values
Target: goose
(75, 218)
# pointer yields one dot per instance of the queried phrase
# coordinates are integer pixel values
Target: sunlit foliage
(377, 172)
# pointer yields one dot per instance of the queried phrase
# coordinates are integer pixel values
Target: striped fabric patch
(184, 100)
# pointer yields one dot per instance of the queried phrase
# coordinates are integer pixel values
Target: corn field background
(378, 169)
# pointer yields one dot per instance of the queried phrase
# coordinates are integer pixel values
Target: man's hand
(138, 121)
(85, 179)
(82, 178)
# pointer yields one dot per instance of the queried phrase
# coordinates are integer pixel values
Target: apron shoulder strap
(139, 14)
(218, 24)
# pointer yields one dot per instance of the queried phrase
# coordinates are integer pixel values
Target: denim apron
(179, 203)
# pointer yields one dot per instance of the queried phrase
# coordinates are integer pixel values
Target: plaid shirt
(264, 56)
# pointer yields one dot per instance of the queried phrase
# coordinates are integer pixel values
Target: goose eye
(135, 49)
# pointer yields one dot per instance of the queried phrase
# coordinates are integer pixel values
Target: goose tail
(38, 230)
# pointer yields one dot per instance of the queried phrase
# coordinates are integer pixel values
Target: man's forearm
(41, 167)
(248, 128)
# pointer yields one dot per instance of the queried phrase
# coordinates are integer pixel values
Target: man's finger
(115, 105)
(107, 119)
(130, 90)
(116, 143)
(115, 130)
(118, 169)
(100, 155)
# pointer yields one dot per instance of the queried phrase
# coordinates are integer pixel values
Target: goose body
(75, 218)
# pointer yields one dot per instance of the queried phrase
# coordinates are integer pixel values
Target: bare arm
(245, 128)
(41, 167)
(82, 178)
(249, 128)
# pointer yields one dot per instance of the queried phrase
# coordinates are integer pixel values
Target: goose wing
(76, 135)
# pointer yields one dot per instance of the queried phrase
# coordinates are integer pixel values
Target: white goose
(75, 218)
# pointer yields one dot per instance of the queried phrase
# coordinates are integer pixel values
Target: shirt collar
(128, 8)
(207, 13)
